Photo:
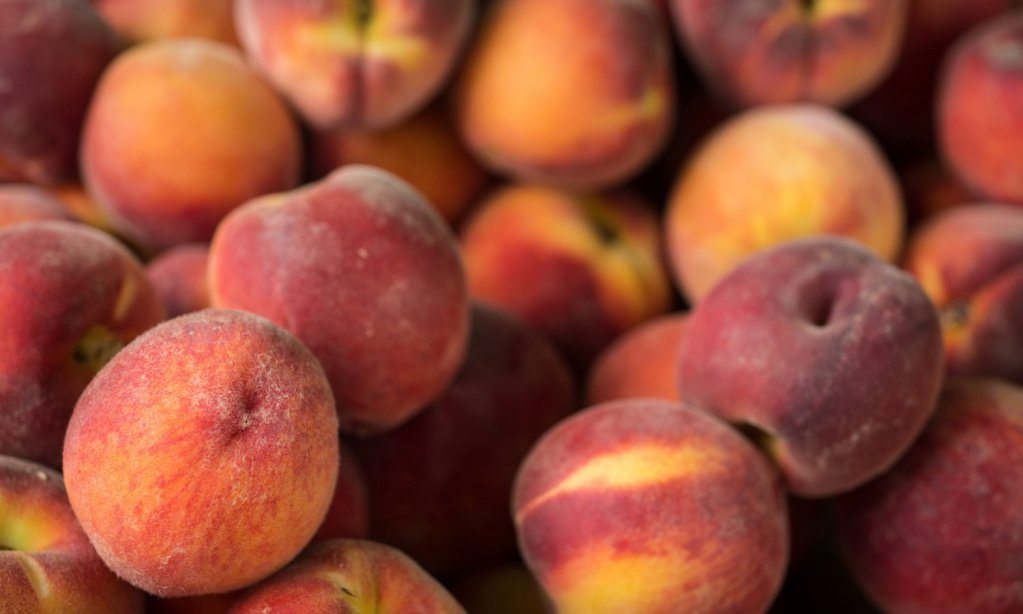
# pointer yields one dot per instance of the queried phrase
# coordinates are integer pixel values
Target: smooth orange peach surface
(179, 277)
(46, 561)
(180, 132)
(140, 20)
(26, 202)
(581, 268)
(980, 109)
(826, 51)
(642, 363)
(829, 357)
(942, 531)
(970, 263)
(571, 92)
(70, 298)
(204, 456)
(368, 275)
(651, 506)
(774, 174)
(424, 151)
(349, 577)
(368, 63)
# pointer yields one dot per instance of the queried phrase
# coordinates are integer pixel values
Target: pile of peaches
(511, 306)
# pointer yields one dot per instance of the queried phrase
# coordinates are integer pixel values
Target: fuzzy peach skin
(204, 456)
(26, 202)
(46, 561)
(367, 274)
(180, 132)
(355, 63)
(51, 55)
(581, 268)
(424, 151)
(970, 262)
(651, 506)
(508, 589)
(735, 197)
(349, 576)
(348, 514)
(571, 92)
(639, 364)
(141, 20)
(942, 532)
(826, 51)
(179, 277)
(980, 109)
(451, 514)
(70, 298)
(901, 109)
(830, 357)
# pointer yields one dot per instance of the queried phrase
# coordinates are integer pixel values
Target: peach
(735, 198)
(582, 268)
(508, 589)
(577, 93)
(424, 151)
(364, 272)
(25, 203)
(830, 358)
(82, 207)
(348, 514)
(203, 457)
(980, 109)
(452, 513)
(970, 263)
(179, 277)
(51, 55)
(370, 63)
(651, 506)
(942, 531)
(349, 576)
(180, 132)
(825, 51)
(70, 298)
(142, 20)
(46, 561)
(901, 109)
(639, 364)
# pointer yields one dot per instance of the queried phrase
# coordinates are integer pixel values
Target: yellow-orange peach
(774, 174)
(642, 363)
(141, 20)
(826, 51)
(582, 268)
(349, 576)
(572, 92)
(203, 457)
(424, 151)
(370, 63)
(651, 506)
(180, 132)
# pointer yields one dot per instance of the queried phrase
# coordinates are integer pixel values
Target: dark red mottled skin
(349, 577)
(51, 55)
(640, 363)
(980, 109)
(942, 532)
(452, 513)
(362, 270)
(348, 514)
(179, 276)
(725, 517)
(50, 550)
(785, 343)
(25, 202)
(58, 281)
(205, 455)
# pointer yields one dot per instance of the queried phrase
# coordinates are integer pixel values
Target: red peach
(179, 277)
(642, 363)
(24, 203)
